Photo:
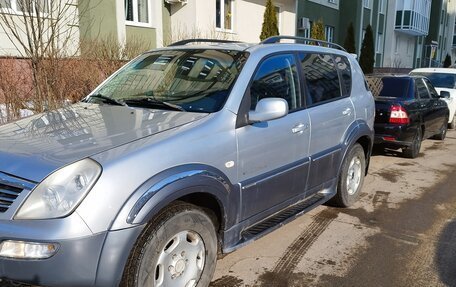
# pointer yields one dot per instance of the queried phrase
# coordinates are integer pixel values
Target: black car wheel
(178, 248)
(443, 130)
(414, 150)
(351, 177)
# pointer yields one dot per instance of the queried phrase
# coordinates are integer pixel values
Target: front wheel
(178, 248)
(351, 177)
(452, 125)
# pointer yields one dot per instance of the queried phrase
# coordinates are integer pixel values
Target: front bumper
(83, 258)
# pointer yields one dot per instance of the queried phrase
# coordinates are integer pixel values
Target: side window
(343, 65)
(421, 89)
(277, 77)
(322, 79)
(432, 91)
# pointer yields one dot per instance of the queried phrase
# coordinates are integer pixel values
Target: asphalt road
(402, 232)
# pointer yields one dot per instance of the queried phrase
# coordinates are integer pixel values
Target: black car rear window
(395, 87)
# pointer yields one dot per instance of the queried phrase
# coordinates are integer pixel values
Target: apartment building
(229, 19)
(337, 16)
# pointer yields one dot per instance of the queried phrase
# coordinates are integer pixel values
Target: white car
(443, 79)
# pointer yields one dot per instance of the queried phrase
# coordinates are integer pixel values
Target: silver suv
(185, 153)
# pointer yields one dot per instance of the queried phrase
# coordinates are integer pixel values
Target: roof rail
(276, 39)
(200, 40)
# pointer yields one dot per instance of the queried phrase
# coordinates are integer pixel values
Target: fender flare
(167, 186)
(357, 130)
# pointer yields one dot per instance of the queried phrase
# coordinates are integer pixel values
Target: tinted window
(395, 87)
(343, 65)
(421, 89)
(277, 77)
(197, 80)
(439, 80)
(322, 79)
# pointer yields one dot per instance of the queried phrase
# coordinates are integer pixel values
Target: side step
(275, 221)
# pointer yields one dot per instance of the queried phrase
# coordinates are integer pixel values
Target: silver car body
(151, 157)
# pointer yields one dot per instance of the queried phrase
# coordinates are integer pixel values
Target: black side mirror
(445, 94)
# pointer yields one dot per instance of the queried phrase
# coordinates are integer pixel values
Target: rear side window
(421, 89)
(321, 78)
(277, 77)
(343, 65)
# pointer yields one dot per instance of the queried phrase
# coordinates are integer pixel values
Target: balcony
(412, 23)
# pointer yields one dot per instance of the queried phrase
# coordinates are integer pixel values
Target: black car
(408, 109)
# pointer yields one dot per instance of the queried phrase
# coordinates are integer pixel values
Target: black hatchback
(408, 109)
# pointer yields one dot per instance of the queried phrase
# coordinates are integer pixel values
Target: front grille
(8, 195)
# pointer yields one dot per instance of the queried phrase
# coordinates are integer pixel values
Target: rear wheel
(178, 248)
(351, 178)
(443, 130)
(414, 150)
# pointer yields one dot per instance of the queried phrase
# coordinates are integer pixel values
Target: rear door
(331, 112)
(273, 155)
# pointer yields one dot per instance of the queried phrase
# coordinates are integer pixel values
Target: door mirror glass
(445, 94)
(269, 109)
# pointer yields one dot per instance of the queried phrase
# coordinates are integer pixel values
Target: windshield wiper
(149, 102)
(106, 99)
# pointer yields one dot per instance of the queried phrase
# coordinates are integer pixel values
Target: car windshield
(194, 80)
(439, 80)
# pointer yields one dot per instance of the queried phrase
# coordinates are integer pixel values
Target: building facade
(229, 19)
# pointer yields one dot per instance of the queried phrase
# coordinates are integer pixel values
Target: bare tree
(42, 31)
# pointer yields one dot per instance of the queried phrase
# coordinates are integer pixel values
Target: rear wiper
(106, 99)
(149, 102)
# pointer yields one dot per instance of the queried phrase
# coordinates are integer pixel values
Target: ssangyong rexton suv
(185, 153)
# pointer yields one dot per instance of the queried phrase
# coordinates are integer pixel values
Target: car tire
(351, 177)
(414, 150)
(443, 131)
(179, 248)
(452, 125)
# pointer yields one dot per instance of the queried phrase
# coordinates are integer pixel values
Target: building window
(306, 32)
(21, 6)
(224, 14)
(332, 1)
(379, 43)
(137, 12)
(366, 3)
(329, 33)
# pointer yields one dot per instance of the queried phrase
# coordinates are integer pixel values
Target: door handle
(299, 128)
(347, 112)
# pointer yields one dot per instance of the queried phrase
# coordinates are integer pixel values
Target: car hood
(34, 147)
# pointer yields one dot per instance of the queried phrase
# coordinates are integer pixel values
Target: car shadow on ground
(445, 258)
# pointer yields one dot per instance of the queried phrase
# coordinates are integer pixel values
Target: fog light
(27, 250)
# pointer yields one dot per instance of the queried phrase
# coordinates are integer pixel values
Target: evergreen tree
(270, 26)
(349, 43)
(318, 31)
(447, 62)
(366, 59)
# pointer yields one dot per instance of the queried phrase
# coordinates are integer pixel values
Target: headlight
(61, 192)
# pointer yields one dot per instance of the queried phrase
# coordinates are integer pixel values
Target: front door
(273, 161)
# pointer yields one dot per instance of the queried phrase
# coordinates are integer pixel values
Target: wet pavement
(402, 232)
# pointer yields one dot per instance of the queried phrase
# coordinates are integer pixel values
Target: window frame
(15, 11)
(332, 31)
(366, 4)
(222, 13)
(135, 22)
